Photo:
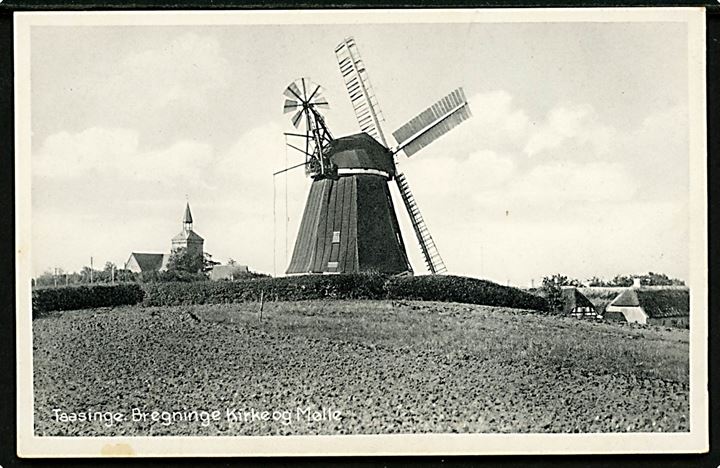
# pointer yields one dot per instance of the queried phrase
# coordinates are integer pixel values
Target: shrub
(346, 286)
(85, 297)
(291, 288)
(448, 288)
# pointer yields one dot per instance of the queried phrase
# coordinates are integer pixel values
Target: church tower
(188, 239)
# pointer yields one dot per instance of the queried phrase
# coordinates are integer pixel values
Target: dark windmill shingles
(304, 250)
(361, 151)
(359, 208)
(342, 225)
(324, 223)
(378, 246)
(334, 209)
(351, 251)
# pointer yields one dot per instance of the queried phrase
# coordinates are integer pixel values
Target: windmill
(349, 224)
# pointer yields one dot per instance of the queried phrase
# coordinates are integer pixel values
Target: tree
(562, 280)
(552, 291)
(660, 279)
(208, 263)
(595, 282)
(183, 261)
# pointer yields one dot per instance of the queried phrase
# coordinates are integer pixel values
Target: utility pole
(91, 269)
(55, 273)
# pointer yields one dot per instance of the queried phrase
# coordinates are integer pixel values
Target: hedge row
(291, 288)
(350, 286)
(294, 288)
(461, 289)
(85, 297)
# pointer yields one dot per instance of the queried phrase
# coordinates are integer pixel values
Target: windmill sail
(358, 86)
(433, 261)
(433, 122)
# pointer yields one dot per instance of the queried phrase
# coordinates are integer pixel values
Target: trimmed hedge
(350, 286)
(291, 288)
(446, 288)
(85, 297)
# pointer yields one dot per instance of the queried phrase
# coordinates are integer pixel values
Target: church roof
(149, 261)
(188, 216)
(187, 235)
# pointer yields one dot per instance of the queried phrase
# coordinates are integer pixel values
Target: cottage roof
(573, 298)
(148, 261)
(656, 302)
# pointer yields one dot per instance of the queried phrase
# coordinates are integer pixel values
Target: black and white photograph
(359, 232)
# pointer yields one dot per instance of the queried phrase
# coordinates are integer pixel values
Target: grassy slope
(404, 367)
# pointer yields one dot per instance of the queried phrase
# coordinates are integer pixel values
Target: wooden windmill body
(350, 223)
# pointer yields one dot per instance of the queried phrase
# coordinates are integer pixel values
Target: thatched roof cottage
(669, 306)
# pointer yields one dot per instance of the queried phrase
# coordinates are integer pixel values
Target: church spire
(187, 219)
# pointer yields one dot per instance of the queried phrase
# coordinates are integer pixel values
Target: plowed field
(349, 367)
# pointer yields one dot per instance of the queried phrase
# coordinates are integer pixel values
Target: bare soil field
(352, 367)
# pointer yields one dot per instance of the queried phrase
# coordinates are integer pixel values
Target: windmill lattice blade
(296, 118)
(292, 91)
(290, 105)
(361, 92)
(433, 261)
(433, 122)
(447, 124)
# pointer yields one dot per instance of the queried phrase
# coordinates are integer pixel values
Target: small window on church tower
(336, 237)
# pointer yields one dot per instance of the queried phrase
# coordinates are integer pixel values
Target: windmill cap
(361, 151)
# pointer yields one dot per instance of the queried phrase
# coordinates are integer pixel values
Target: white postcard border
(694, 441)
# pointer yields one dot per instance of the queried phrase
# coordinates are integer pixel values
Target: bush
(351, 286)
(85, 297)
(291, 288)
(461, 289)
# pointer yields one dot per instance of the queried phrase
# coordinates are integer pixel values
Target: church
(187, 239)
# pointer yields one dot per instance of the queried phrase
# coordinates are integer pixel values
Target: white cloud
(657, 153)
(115, 152)
(181, 71)
(568, 131)
(497, 124)
(572, 182)
(238, 205)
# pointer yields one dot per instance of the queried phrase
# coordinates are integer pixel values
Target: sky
(575, 160)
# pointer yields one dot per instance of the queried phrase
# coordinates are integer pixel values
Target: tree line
(181, 266)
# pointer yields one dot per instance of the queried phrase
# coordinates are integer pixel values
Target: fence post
(262, 303)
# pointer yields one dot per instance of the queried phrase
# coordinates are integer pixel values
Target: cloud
(497, 124)
(180, 72)
(115, 152)
(238, 205)
(572, 182)
(570, 131)
(657, 152)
